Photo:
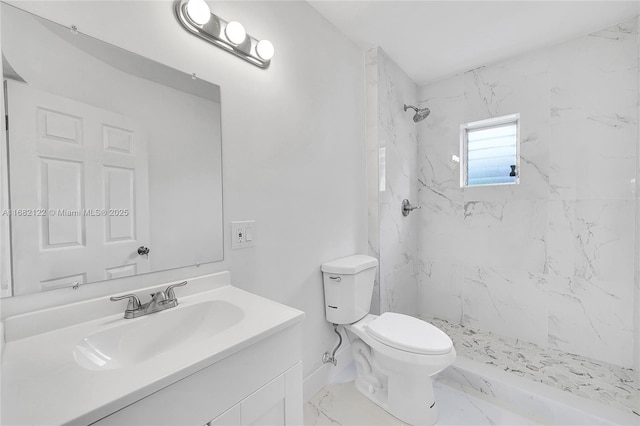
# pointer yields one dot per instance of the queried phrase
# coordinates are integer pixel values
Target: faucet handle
(134, 302)
(170, 293)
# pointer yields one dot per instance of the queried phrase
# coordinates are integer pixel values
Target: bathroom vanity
(222, 356)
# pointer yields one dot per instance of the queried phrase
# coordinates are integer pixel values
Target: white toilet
(396, 355)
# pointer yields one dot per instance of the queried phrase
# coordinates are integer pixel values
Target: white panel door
(5, 242)
(79, 191)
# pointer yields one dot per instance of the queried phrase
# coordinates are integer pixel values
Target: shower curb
(541, 403)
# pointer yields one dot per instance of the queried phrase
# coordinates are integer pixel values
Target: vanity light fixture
(199, 11)
(196, 17)
(235, 32)
(265, 49)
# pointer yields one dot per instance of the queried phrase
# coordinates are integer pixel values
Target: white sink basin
(51, 359)
(136, 340)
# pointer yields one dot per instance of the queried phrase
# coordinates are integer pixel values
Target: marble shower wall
(636, 361)
(551, 260)
(392, 237)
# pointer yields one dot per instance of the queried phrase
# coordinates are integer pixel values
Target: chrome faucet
(160, 301)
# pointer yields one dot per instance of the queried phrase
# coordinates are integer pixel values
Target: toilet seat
(409, 334)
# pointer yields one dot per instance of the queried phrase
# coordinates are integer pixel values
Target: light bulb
(235, 32)
(198, 11)
(265, 50)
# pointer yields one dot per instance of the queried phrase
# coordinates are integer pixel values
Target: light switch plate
(240, 230)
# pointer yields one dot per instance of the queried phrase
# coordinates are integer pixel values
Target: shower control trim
(407, 207)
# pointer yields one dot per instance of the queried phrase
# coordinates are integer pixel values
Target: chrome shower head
(421, 113)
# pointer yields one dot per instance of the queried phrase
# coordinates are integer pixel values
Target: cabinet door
(294, 396)
(228, 418)
(266, 406)
(279, 402)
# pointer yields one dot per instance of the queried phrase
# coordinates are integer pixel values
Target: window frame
(487, 124)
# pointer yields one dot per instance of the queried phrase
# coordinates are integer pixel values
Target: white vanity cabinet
(223, 355)
(260, 384)
(276, 403)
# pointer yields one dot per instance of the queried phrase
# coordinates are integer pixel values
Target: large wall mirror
(112, 163)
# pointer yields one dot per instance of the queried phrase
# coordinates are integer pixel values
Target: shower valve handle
(407, 207)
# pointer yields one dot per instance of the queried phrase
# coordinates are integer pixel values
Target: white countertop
(43, 385)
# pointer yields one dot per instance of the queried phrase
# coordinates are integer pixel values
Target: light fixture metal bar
(213, 32)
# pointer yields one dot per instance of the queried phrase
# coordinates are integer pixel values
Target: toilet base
(408, 406)
(405, 395)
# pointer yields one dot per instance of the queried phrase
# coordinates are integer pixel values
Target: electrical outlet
(242, 234)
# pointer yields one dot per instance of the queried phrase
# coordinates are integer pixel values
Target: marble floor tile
(456, 407)
(342, 404)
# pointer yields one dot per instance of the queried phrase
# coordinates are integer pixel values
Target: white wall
(550, 260)
(293, 142)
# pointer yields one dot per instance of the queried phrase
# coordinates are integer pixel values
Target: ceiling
(434, 39)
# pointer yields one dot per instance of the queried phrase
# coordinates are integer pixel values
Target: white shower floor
(607, 384)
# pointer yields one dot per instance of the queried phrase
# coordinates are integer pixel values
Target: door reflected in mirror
(112, 163)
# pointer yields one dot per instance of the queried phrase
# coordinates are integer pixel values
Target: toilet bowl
(395, 377)
(396, 355)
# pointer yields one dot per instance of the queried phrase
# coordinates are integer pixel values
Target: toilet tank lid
(350, 265)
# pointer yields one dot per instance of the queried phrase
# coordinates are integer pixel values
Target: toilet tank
(348, 287)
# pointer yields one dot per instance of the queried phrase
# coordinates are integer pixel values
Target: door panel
(81, 174)
(117, 140)
(62, 188)
(60, 127)
(119, 197)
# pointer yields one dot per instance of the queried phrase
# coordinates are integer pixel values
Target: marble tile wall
(552, 259)
(392, 237)
(373, 166)
(636, 361)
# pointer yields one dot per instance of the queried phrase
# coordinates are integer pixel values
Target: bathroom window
(490, 151)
